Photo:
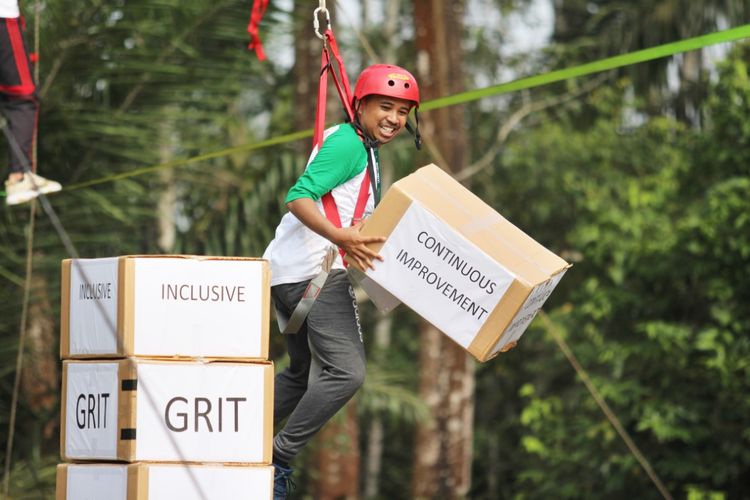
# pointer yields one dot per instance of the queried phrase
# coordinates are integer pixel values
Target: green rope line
(630, 58)
(606, 64)
(194, 159)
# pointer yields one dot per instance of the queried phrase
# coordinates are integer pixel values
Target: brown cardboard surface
(266, 317)
(268, 402)
(499, 318)
(127, 411)
(125, 306)
(64, 398)
(138, 490)
(65, 308)
(61, 482)
(529, 262)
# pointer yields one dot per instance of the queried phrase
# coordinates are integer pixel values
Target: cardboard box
(457, 263)
(167, 411)
(165, 306)
(163, 482)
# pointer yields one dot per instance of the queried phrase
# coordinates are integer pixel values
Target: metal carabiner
(316, 22)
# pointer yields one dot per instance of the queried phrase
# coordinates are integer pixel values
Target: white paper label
(201, 412)
(91, 410)
(93, 306)
(440, 274)
(380, 297)
(196, 307)
(97, 482)
(209, 483)
(528, 311)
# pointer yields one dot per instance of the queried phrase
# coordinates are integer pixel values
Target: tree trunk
(40, 376)
(376, 432)
(166, 207)
(338, 457)
(442, 463)
(306, 72)
(306, 69)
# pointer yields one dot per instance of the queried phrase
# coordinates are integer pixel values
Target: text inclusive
(203, 293)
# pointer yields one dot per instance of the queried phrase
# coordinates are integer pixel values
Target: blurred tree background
(638, 176)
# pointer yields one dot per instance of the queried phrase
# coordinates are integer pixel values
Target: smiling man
(330, 334)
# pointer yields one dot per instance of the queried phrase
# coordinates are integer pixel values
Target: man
(20, 107)
(330, 339)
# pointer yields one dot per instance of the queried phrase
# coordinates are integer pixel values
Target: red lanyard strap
(256, 15)
(341, 81)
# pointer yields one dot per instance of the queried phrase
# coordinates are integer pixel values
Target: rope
(642, 460)
(294, 136)
(607, 64)
(26, 289)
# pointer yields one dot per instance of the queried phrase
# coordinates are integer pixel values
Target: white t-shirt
(9, 8)
(296, 252)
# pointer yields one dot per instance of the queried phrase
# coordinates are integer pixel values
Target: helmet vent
(391, 83)
(406, 85)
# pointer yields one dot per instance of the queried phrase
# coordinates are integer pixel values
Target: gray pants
(327, 362)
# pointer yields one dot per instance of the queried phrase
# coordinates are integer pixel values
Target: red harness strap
(342, 86)
(259, 9)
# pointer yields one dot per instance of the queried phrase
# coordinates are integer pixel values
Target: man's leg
(291, 383)
(19, 102)
(21, 113)
(335, 341)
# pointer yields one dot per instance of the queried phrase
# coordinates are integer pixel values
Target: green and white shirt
(296, 252)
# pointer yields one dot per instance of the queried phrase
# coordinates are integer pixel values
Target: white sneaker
(28, 188)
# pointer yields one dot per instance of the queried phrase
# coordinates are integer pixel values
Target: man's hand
(354, 244)
(349, 239)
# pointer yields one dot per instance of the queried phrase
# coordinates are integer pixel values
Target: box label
(440, 274)
(97, 482)
(209, 483)
(528, 311)
(199, 307)
(91, 410)
(198, 412)
(93, 306)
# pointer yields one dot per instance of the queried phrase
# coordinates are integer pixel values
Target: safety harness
(337, 71)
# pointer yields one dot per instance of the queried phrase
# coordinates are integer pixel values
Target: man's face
(383, 117)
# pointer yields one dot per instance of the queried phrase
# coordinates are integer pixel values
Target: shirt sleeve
(341, 158)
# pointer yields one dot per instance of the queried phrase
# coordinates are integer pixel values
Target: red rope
(256, 15)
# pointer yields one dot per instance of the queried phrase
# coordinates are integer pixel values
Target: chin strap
(415, 130)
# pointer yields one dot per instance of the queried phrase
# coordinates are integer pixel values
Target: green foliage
(655, 306)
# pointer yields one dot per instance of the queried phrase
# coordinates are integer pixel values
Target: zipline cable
(584, 376)
(601, 65)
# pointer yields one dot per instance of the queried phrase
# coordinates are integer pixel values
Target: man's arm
(349, 239)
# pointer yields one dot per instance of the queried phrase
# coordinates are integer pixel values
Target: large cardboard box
(144, 481)
(165, 306)
(167, 411)
(457, 263)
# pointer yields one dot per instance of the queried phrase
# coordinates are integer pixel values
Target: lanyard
(341, 82)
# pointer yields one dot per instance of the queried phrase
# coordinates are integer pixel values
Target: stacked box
(165, 368)
(457, 263)
(145, 481)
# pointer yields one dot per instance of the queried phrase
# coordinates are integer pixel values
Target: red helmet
(387, 80)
